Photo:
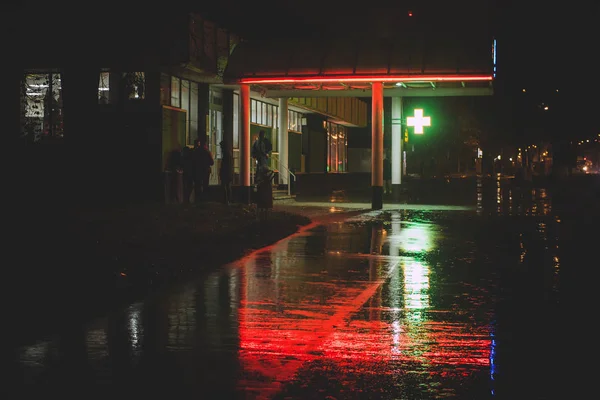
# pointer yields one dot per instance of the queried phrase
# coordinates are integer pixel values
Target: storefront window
(193, 113)
(270, 115)
(165, 90)
(175, 92)
(294, 121)
(337, 145)
(135, 85)
(333, 139)
(215, 135)
(264, 119)
(185, 105)
(103, 88)
(182, 93)
(274, 138)
(253, 117)
(42, 109)
(262, 113)
(341, 150)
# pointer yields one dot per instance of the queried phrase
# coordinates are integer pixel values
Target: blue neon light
(494, 57)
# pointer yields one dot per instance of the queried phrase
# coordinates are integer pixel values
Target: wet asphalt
(414, 301)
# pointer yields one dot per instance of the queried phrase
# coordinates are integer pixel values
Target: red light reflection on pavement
(372, 342)
(273, 345)
(277, 339)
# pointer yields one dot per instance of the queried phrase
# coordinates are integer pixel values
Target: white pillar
(396, 152)
(282, 142)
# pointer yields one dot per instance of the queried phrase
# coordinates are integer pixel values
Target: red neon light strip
(374, 78)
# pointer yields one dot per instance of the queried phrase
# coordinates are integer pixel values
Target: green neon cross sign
(418, 121)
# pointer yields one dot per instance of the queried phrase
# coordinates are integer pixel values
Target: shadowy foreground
(71, 264)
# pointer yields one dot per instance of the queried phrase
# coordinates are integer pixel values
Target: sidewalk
(74, 263)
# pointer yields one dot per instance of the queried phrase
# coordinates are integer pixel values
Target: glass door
(215, 135)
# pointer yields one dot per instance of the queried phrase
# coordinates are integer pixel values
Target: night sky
(547, 48)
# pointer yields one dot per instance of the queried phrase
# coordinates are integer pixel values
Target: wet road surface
(405, 303)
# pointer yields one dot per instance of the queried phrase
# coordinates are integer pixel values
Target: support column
(148, 168)
(377, 145)
(228, 119)
(203, 110)
(245, 143)
(282, 143)
(396, 147)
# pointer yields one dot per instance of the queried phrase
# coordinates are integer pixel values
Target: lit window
(175, 92)
(135, 85)
(42, 106)
(337, 144)
(104, 88)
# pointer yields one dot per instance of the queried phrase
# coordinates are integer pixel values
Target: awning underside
(352, 89)
(385, 57)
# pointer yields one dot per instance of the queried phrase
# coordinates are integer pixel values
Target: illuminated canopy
(448, 66)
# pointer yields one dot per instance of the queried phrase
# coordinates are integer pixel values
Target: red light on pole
(410, 13)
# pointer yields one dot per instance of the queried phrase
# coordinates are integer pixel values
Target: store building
(157, 99)
(461, 64)
(136, 96)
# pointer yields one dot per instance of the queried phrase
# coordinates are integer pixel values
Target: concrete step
(281, 195)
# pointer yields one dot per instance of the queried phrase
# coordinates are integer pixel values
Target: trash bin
(264, 191)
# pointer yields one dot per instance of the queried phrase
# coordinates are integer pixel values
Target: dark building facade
(118, 103)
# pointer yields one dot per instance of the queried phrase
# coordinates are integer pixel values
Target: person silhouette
(261, 149)
(188, 173)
